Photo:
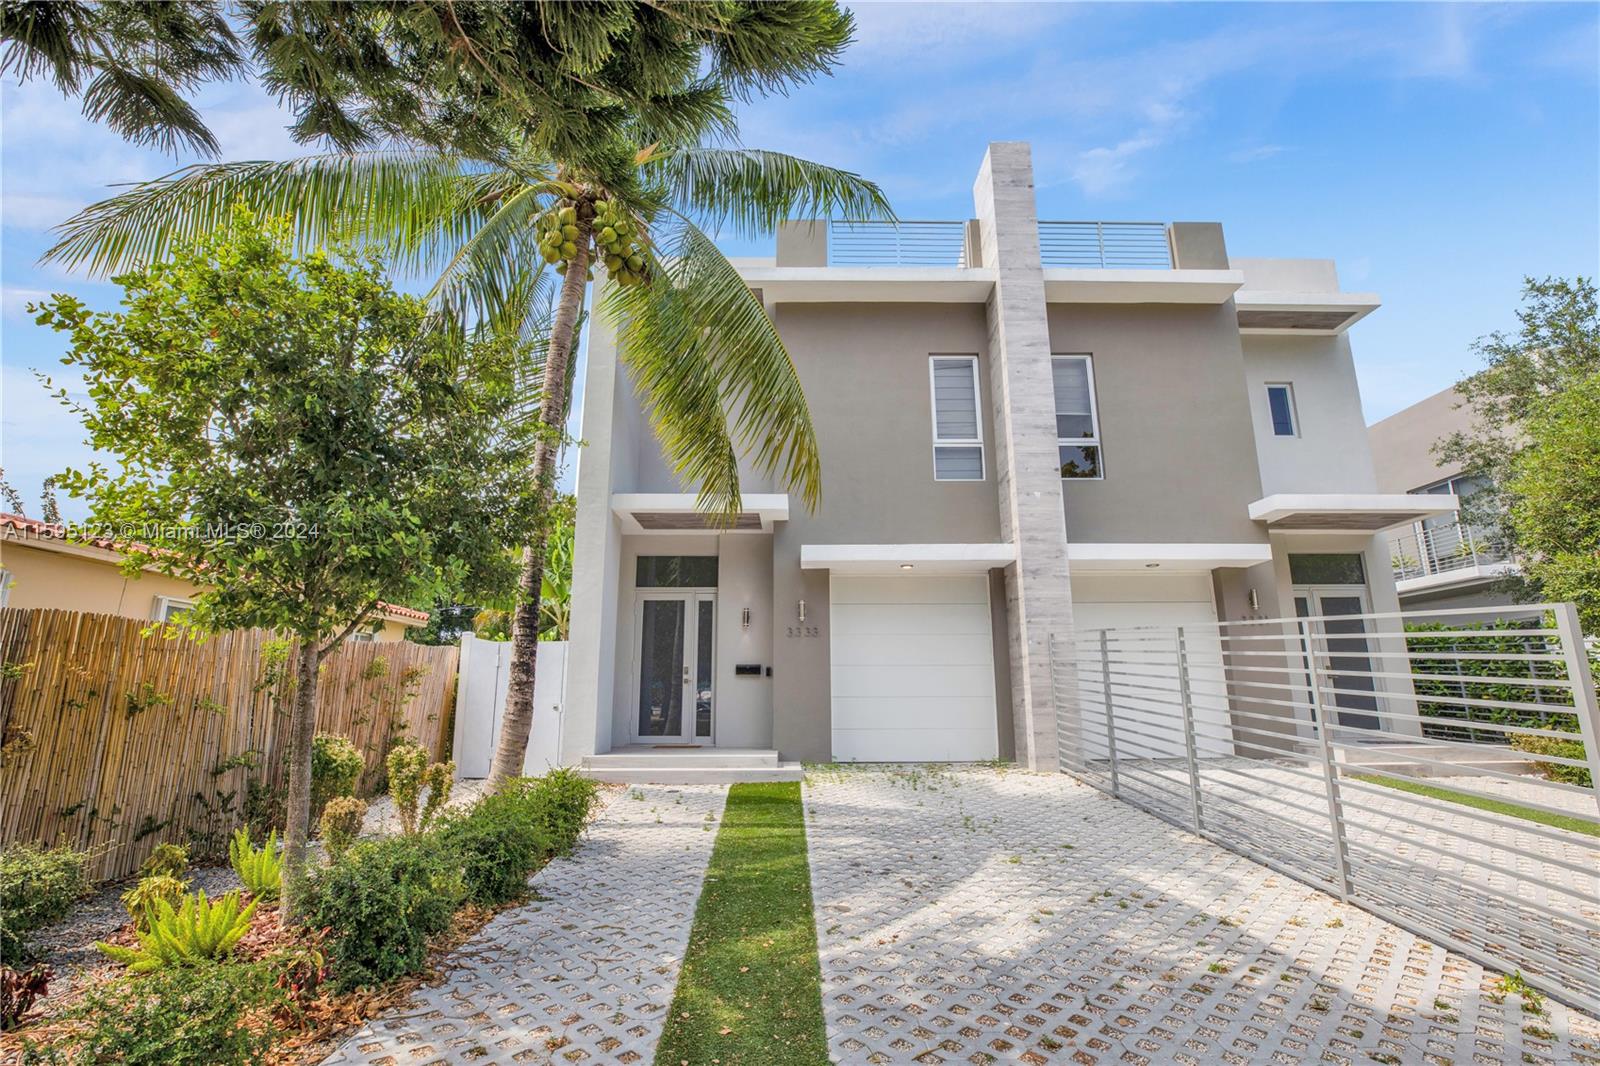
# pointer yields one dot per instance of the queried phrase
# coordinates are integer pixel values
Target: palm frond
(751, 190)
(712, 370)
(497, 274)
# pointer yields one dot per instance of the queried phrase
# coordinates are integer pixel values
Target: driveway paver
(586, 973)
(977, 916)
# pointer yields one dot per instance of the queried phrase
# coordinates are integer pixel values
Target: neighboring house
(1027, 429)
(1440, 562)
(40, 567)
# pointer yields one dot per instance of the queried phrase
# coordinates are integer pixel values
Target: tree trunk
(511, 749)
(302, 729)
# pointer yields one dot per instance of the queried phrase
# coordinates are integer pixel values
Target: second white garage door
(912, 669)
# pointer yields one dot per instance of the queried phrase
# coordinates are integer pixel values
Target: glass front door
(1345, 653)
(677, 647)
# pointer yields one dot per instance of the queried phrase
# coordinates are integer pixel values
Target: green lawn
(1483, 803)
(750, 992)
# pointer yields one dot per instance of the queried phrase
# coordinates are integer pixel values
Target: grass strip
(750, 993)
(1484, 803)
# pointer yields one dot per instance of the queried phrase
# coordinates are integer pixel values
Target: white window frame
(6, 578)
(1294, 408)
(977, 411)
(163, 603)
(363, 636)
(1094, 414)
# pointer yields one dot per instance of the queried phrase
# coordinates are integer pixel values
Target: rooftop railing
(932, 244)
(1105, 245)
(1424, 551)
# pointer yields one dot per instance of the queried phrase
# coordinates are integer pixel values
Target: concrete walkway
(585, 974)
(978, 916)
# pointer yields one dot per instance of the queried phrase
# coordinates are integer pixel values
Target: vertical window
(957, 424)
(1280, 401)
(5, 587)
(1077, 424)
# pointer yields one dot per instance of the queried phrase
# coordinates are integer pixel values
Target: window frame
(977, 412)
(7, 578)
(159, 611)
(1294, 409)
(1097, 441)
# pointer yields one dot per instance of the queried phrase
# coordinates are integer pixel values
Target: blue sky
(1438, 152)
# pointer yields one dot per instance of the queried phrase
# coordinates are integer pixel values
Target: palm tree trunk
(517, 722)
(302, 729)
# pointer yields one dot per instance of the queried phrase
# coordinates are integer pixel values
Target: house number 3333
(805, 631)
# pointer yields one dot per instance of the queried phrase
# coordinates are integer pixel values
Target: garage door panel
(966, 588)
(873, 619)
(891, 681)
(923, 649)
(921, 745)
(935, 712)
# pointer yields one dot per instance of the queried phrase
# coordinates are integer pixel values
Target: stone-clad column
(1038, 592)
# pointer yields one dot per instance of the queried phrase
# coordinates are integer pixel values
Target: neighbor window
(5, 587)
(363, 636)
(957, 424)
(170, 609)
(1077, 425)
(1280, 401)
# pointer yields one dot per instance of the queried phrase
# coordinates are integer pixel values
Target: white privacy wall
(484, 675)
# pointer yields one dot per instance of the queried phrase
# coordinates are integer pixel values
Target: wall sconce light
(802, 610)
(1255, 601)
(744, 618)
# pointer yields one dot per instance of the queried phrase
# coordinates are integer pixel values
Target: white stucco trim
(1335, 512)
(1165, 558)
(770, 507)
(1357, 305)
(922, 559)
(1449, 579)
(1074, 285)
(871, 284)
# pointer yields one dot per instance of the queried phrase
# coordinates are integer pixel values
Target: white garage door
(913, 669)
(1105, 601)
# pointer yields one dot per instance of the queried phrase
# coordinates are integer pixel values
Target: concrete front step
(671, 771)
(640, 757)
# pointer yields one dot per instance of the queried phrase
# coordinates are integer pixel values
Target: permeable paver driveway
(585, 974)
(978, 916)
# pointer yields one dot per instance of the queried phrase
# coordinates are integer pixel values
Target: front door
(677, 642)
(1345, 650)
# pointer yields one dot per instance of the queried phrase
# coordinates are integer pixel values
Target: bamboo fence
(116, 736)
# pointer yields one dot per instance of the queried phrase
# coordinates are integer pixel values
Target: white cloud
(14, 301)
(1100, 171)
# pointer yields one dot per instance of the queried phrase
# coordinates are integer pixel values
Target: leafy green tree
(299, 440)
(1534, 436)
(557, 135)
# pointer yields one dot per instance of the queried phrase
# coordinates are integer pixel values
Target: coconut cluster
(618, 240)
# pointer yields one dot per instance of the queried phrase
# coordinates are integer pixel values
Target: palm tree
(713, 374)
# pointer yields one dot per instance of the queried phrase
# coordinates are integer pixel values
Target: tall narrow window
(957, 424)
(1280, 401)
(1077, 424)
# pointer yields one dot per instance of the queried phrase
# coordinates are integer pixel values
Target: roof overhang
(1164, 558)
(872, 284)
(1096, 286)
(1347, 512)
(1302, 314)
(678, 512)
(907, 559)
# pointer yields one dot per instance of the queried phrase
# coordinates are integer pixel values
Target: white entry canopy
(678, 512)
(1167, 558)
(906, 558)
(1349, 512)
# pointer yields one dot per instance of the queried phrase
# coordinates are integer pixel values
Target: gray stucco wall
(1402, 444)
(1178, 448)
(1330, 454)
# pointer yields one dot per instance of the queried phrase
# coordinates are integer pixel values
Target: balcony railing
(935, 244)
(1423, 551)
(1105, 245)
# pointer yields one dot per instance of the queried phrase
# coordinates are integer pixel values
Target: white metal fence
(1441, 549)
(483, 676)
(856, 243)
(1116, 245)
(1320, 746)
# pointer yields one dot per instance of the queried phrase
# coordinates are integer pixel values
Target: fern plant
(198, 929)
(260, 870)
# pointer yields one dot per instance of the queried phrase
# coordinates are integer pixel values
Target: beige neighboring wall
(75, 578)
(1402, 444)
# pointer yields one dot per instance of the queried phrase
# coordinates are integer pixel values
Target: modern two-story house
(1028, 428)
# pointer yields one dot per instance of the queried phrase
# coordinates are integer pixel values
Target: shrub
(18, 990)
(37, 887)
(336, 766)
(381, 902)
(188, 1016)
(341, 824)
(561, 801)
(198, 930)
(1564, 749)
(260, 871)
(167, 859)
(409, 776)
(499, 842)
(140, 900)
